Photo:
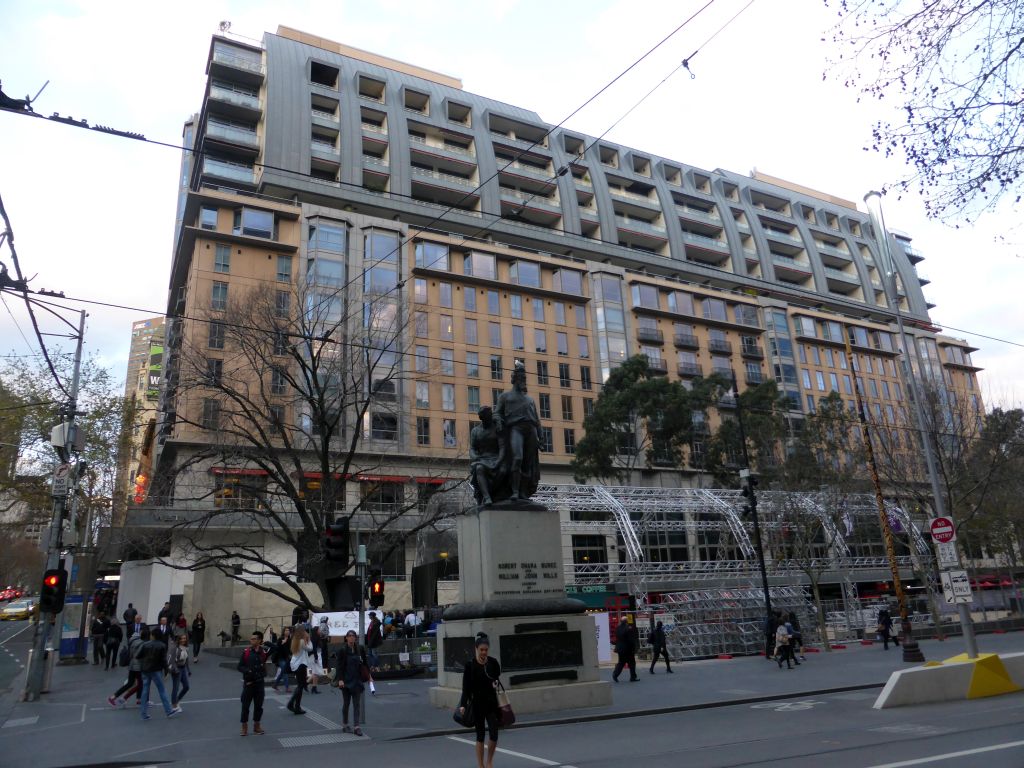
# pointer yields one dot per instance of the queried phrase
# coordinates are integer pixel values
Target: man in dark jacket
(135, 627)
(113, 642)
(374, 638)
(98, 637)
(162, 632)
(658, 646)
(236, 622)
(152, 656)
(165, 612)
(253, 691)
(625, 647)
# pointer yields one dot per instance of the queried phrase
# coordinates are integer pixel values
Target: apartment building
(491, 237)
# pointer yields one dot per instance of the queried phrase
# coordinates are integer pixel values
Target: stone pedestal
(513, 588)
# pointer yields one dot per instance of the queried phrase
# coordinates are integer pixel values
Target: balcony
(233, 135)
(727, 401)
(913, 254)
(689, 370)
(235, 102)
(228, 171)
(641, 226)
(841, 275)
(720, 370)
(323, 114)
(652, 335)
(686, 341)
(229, 65)
(720, 345)
(705, 242)
(754, 378)
(790, 264)
(697, 214)
(752, 351)
(447, 177)
(657, 365)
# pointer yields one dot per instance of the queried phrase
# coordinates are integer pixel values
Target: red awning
(432, 480)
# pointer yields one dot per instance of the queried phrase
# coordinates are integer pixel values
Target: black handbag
(466, 718)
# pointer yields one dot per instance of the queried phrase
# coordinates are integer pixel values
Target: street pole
(749, 485)
(873, 200)
(34, 680)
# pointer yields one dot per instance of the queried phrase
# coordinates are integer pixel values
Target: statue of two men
(504, 448)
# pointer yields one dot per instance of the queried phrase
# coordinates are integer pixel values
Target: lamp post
(873, 200)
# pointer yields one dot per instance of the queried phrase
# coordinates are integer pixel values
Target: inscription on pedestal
(457, 651)
(519, 578)
(541, 650)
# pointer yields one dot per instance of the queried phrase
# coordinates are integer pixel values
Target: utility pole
(873, 200)
(749, 483)
(47, 623)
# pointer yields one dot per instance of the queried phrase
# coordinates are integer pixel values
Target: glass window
(432, 256)
(380, 247)
(216, 337)
(449, 435)
(525, 273)
(610, 289)
(518, 338)
(802, 353)
(538, 310)
(448, 397)
(847, 384)
(585, 381)
(805, 375)
(559, 313)
(544, 404)
(810, 404)
(211, 414)
(583, 346)
(469, 299)
(581, 316)
(540, 340)
(444, 291)
(219, 295)
(873, 387)
(564, 377)
(422, 394)
(208, 218)
(480, 265)
(645, 296)
(545, 441)
(714, 309)
(588, 407)
(422, 430)
(568, 281)
(542, 372)
(885, 389)
(473, 399)
(829, 358)
(328, 237)
(324, 272)
(446, 330)
(858, 336)
(222, 259)
(495, 394)
(820, 380)
(680, 302)
(282, 303)
(497, 372)
(284, 268)
(253, 223)
(493, 303)
(746, 314)
(471, 334)
(867, 364)
(472, 365)
(419, 290)
(562, 343)
(566, 408)
(447, 362)
(833, 380)
(570, 440)
(420, 323)
(515, 303)
(380, 279)
(610, 319)
(214, 371)
(383, 426)
(422, 356)
(494, 335)
(804, 326)
(280, 342)
(817, 355)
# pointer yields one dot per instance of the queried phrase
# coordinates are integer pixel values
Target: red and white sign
(943, 530)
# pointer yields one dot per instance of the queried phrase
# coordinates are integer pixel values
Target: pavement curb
(598, 717)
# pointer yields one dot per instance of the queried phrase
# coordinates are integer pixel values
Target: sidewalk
(74, 724)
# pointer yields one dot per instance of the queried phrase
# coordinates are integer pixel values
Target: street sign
(943, 530)
(946, 554)
(956, 587)
(61, 478)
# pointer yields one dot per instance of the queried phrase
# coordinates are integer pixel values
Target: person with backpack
(128, 656)
(152, 656)
(177, 662)
(253, 690)
(352, 672)
(113, 641)
(281, 655)
(658, 646)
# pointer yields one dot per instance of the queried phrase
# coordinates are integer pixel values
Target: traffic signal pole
(46, 623)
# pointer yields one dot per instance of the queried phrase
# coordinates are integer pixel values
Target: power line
(27, 405)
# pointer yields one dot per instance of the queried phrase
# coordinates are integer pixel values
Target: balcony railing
(777, 233)
(324, 146)
(720, 370)
(787, 261)
(233, 134)
(687, 210)
(704, 240)
(238, 62)
(443, 177)
(838, 273)
(754, 377)
(657, 365)
(727, 401)
(230, 171)
(323, 113)
(639, 225)
(234, 97)
(374, 128)
(686, 341)
(651, 335)
(633, 195)
(752, 350)
(719, 345)
(689, 370)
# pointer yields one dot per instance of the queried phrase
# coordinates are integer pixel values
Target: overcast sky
(93, 214)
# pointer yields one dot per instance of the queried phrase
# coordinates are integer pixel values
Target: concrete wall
(147, 585)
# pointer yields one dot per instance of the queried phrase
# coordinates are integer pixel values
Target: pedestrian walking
(885, 629)
(771, 625)
(98, 637)
(797, 639)
(316, 662)
(236, 623)
(112, 641)
(177, 662)
(253, 690)
(198, 635)
(281, 655)
(133, 686)
(136, 625)
(626, 646)
(783, 649)
(374, 639)
(165, 613)
(129, 615)
(352, 674)
(480, 691)
(162, 632)
(180, 626)
(152, 657)
(658, 646)
(299, 663)
(411, 623)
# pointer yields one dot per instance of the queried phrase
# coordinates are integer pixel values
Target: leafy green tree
(765, 427)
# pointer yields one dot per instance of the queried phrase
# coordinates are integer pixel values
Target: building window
(211, 414)
(585, 381)
(280, 342)
(449, 434)
(820, 380)
(746, 314)
(873, 387)
(219, 295)
(472, 399)
(540, 340)
(447, 362)
(588, 407)
(559, 313)
(583, 346)
(432, 256)
(444, 292)
(562, 344)
(567, 408)
(847, 384)
(570, 440)
(833, 380)
(546, 443)
(495, 394)
(383, 426)
(568, 281)
(284, 269)
(542, 372)
(497, 372)
(445, 326)
(518, 339)
(564, 377)
(208, 218)
(805, 375)
(253, 223)
(422, 355)
(494, 335)
(525, 273)
(214, 371)
(469, 299)
(480, 265)
(420, 323)
(680, 302)
(469, 332)
(515, 303)
(714, 309)
(810, 404)
(222, 259)
(216, 338)
(538, 310)
(448, 397)
(472, 365)
(276, 419)
(422, 394)
(278, 381)
(493, 303)
(544, 405)
(581, 317)
(419, 290)
(645, 296)
(282, 303)
(422, 430)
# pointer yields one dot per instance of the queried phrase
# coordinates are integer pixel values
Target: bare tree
(953, 69)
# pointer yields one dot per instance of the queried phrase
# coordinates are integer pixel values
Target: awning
(234, 471)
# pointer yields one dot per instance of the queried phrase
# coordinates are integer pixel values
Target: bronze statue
(486, 460)
(519, 426)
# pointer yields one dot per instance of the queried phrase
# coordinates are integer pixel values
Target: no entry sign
(942, 529)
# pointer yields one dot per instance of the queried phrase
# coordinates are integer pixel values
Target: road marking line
(17, 722)
(541, 760)
(951, 755)
(6, 639)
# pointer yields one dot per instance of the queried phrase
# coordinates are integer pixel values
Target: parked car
(10, 593)
(20, 610)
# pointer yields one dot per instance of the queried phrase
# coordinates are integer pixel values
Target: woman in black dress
(198, 635)
(480, 684)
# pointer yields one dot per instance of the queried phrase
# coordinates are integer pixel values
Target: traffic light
(51, 596)
(336, 542)
(748, 483)
(377, 590)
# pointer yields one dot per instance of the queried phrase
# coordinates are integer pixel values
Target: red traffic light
(52, 580)
(378, 587)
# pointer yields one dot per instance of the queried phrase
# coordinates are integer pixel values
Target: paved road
(15, 641)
